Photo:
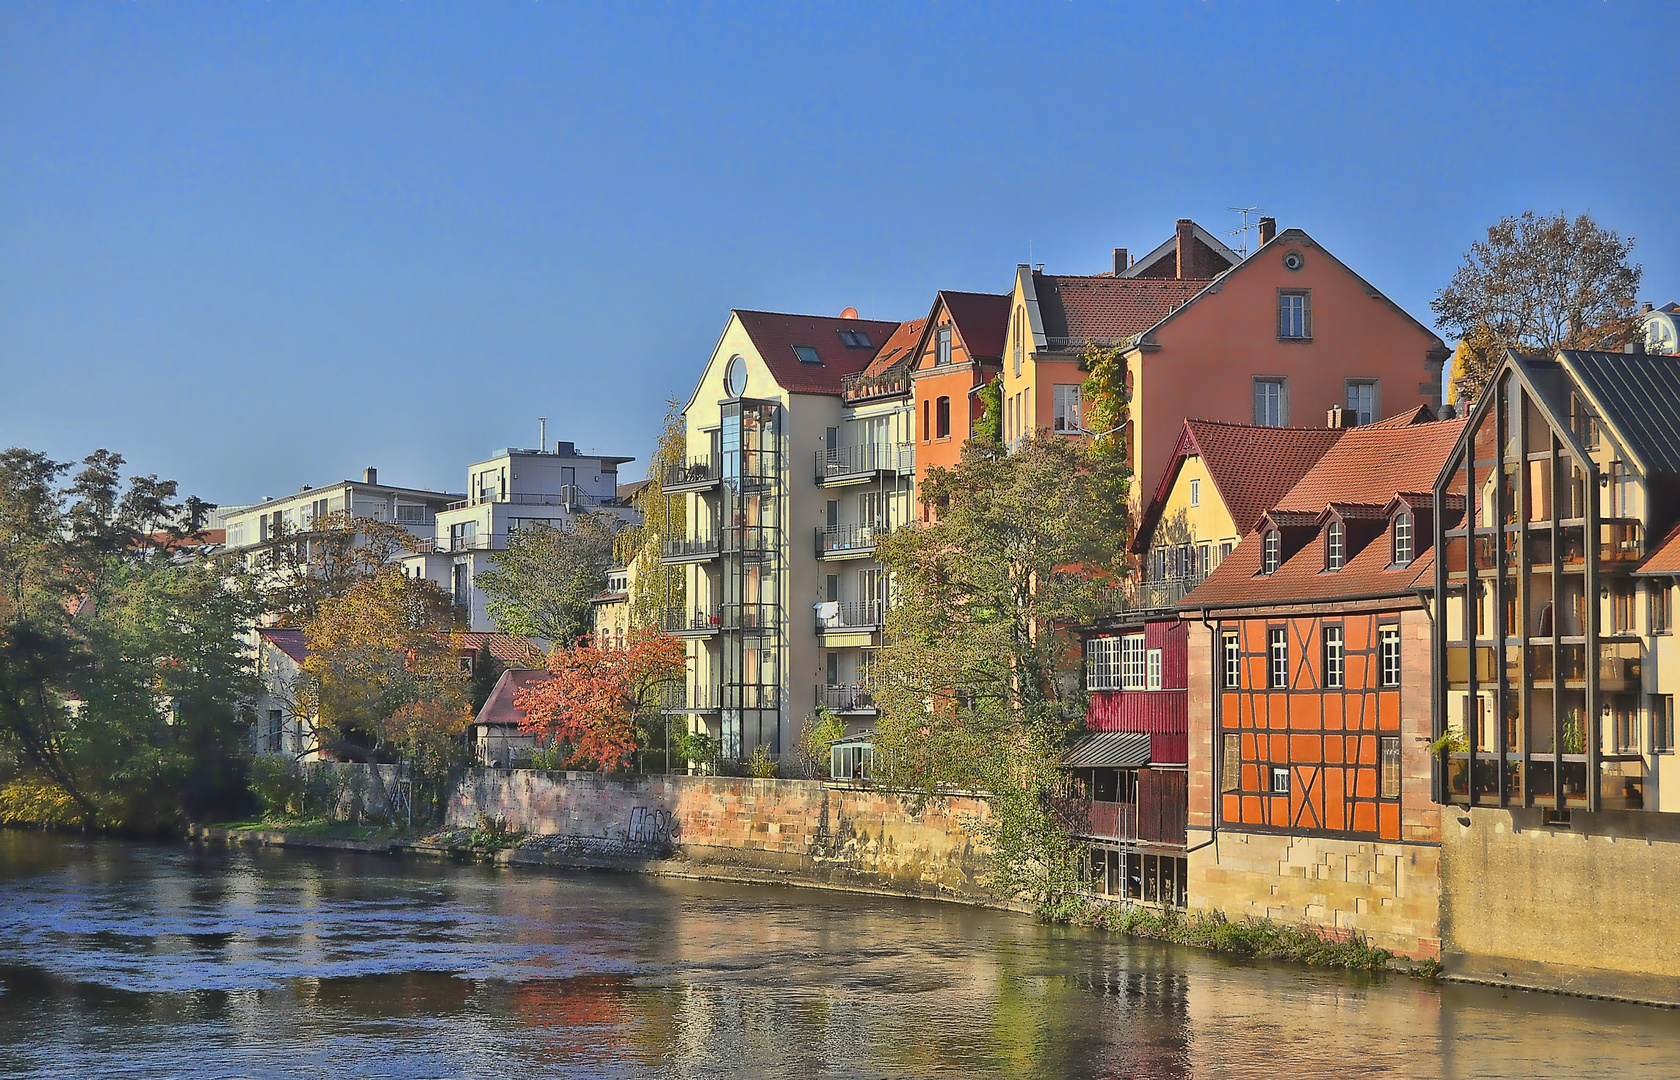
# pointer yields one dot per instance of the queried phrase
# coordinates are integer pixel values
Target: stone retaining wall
(837, 834)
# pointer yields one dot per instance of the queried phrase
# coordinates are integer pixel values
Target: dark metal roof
(1639, 398)
(1108, 750)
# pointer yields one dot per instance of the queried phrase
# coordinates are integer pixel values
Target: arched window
(942, 418)
(1402, 538)
(1335, 546)
(1273, 553)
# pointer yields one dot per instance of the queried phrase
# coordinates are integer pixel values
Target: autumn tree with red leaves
(599, 698)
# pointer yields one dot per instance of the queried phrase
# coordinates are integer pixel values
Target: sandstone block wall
(1388, 892)
(829, 833)
(1589, 907)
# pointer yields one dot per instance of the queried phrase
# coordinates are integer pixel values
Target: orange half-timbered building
(1310, 712)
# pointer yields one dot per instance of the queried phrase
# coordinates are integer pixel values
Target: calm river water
(127, 960)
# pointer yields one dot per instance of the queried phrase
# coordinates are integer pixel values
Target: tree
(1540, 284)
(641, 545)
(122, 663)
(304, 568)
(540, 585)
(486, 670)
(599, 697)
(977, 681)
(989, 427)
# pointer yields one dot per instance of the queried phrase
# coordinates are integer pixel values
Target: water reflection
(162, 960)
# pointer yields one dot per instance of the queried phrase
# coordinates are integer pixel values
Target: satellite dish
(849, 313)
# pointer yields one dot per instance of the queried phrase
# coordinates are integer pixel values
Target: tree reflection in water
(163, 960)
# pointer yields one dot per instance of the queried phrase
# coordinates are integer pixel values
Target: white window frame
(1294, 314)
(1404, 539)
(1265, 418)
(1335, 546)
(1152, 669)
(1102, 663)
(1388, 646)
(943, 355)
(1132, 675)
(1233, 661)
(1374, 413)
(1277, 658)
(1280, 780)
(1271, 552)
(1195, 493)
(1335, 658)
(1065, 408)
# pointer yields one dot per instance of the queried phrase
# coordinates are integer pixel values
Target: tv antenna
(1242, 233)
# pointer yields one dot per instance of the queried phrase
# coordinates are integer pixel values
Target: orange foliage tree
(592, 707)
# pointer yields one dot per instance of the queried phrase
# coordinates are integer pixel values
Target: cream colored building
(787, 491)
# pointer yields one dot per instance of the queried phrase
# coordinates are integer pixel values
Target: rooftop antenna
(1242, 233)
(542, 434)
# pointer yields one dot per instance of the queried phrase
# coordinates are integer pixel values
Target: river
(159, 960)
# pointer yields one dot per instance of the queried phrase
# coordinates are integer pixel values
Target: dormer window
(1273, 553)
(1335, 546)
(1403, 551)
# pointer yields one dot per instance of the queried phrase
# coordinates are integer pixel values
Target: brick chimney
(1268, 229)
(1186, 247)
(1120, 262)
(370, 475)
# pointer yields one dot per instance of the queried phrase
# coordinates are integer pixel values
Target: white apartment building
(513, 490)
(254, 527)
(788, 484)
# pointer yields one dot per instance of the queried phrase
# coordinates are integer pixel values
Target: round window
(1293, 261)
(735, 377)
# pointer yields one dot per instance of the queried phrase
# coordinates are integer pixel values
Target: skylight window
(854, 339)
(806, 354)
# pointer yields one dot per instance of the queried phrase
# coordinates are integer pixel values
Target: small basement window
(806, 354)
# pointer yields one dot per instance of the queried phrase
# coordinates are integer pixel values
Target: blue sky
(257, 246)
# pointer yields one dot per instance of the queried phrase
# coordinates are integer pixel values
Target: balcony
(860, 464)
(847, 698)
(692, 698)
(749, 540)
(852, 616)
(569, 495)
(1159, 817)
(847, 541)
(690, 551)
(1139, 598)
(447, 545)
(861, 387)
(692, 474)
(693, 622)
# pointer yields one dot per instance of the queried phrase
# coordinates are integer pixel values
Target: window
(1225, 549)
(1230, 764)
(1102, 663)
(1271, 403)
(1335, 546)
(854, 339)
(1335, 659)
(1195, 493)
(462, 584)
(1626, 726)
(1020, 320)
(1362, 400)
(1273, 554)
(943, 357)
(1295, 314)
(942, 418)
(1402, 538)
(1233, 662)
(1388, 756)
(926, 427)
(1203, 565)
(1066, 402)
(406, 514)
(1280, 781)
(1131, 662)
(1388, 642)
(1662, 723)
(806, 354)
(1277, 654)
(1621, 605)
(1661, 610)
(1152, 665)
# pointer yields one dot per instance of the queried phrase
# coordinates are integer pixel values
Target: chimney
(1120, 262)
(1268, 229)
(1186, 246)
(370, 475)
(1646, 306)
(1339, 417)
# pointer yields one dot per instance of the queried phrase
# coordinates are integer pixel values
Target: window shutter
(1230, 778)
(1306, 313)
(1282, 316)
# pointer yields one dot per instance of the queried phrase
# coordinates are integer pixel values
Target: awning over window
(1108, 750)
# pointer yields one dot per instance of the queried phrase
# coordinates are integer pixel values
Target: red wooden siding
(1162, 714)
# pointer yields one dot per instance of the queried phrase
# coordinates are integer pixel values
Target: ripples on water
(156, 960)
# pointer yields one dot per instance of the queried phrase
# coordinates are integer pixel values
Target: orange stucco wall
(932, 383)
(1208, 357)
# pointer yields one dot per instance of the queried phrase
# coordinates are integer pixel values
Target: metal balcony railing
(849, 615)
(692, 472)
(473, 542)
(749, 539)
(860, 386)
(693, 620)
(853, 462)
(846, 697)
(1137, 597)
(568, 495)
(686, 550)
(847, 539)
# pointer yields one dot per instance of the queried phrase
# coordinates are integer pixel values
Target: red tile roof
(898, 350)
(1106, 309)
(1665, 559)
(775, 335)
(287, 640)
(508, 648)
(982, 321)
(1368, 466)
(499, 707)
